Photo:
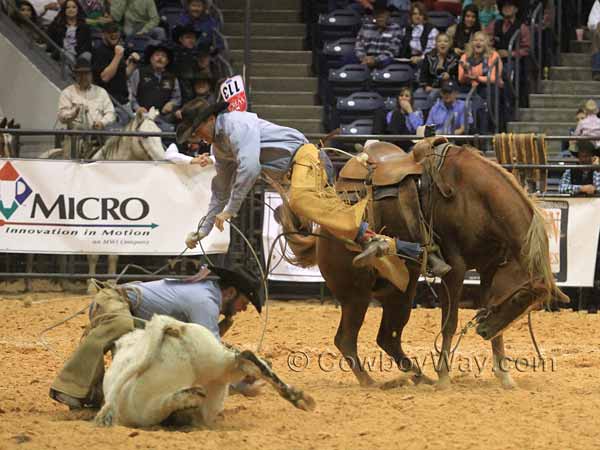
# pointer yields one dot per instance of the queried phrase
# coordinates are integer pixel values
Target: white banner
(280, 269)
(573, 231)
(104, 207)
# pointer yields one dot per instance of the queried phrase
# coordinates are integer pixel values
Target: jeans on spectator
(352, 59)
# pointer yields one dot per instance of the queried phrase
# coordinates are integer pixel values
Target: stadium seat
(348, 79)
(137, 43)
(170, 15)
(338, 24)
(389, 80)
(359, 104)
(420, 102)
(334, 52)
(360, 126)
(441, 19)
(400, 17)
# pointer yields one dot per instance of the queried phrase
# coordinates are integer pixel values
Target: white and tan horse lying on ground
(179, 371)
(118, 148)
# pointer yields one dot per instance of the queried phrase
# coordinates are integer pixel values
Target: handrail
(496, 115)
(468, 102)
(247, 67)
(558, 18)
(537, 25)
(311, 136)
(516, 37)
(579, 13)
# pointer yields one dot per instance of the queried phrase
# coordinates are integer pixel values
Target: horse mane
(112, 143)
(535, 250)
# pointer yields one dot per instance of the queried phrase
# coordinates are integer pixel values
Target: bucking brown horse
(481, 219)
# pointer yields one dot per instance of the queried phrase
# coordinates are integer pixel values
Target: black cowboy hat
(193, 114)
(180, 30)
(82, 64)
(151, 49)
(585, 146)
(244, 281)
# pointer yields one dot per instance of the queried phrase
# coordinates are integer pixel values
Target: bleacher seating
(334, 52)
(360, 126)
(170, 16)
(338, 24)
(389, 80)
(348, 79)
(442, 20)
(358, 105)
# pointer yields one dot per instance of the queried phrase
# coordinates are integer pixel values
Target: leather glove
(193, 238)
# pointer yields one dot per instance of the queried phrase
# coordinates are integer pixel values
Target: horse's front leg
(92, 263)
(450, 293)
(500, 367)
(112, 264)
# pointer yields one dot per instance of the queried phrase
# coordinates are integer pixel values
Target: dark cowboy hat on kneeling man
(182, 30)
(193, 114)
(82, 64)
(244, 281)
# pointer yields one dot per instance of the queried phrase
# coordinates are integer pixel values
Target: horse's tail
(536, 255)
(303, 247)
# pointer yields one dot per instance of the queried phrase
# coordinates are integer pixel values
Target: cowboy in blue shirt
(245, 146)
(448, 113)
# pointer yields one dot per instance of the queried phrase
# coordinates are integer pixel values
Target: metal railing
(515, 45)
(537, 26)
(468, 105)
(558, 18)
(496, 103)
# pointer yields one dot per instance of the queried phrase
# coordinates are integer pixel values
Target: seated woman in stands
(461, 33)
(439, 65)
(70, 32)
(403, 119)
(488, 10)
(419, 37)
(26, 14)
(479, 67)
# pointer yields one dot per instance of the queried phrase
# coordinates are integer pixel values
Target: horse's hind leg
(353, 315)
(397, 307)
(500, 367)
(92, 263)
(450, 293)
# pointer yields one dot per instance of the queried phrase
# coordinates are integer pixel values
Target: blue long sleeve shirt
(447, 120)
(244, 146)
(198, 303)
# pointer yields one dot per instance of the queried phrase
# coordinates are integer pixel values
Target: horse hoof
(422, 379)
(393, 384)
(443, 383)
(91, 287)
(306, 402)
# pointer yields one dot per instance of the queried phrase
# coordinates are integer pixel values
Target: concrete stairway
(283, 87)
(568, 87)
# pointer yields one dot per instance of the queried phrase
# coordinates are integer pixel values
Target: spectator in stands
(590, 124)
(439, 65)
(377, 43)
(84, 105)
(367, 6)
(94, 11)
(478, 63)
(594, 27)
(47, 10)
(26, 11)
(70, 32)
(154, 85)
(448, 113)
(502, 31)
(567, 147)
(488, 10)
(207, 26)
(461, 33)
(479, 67)
(451, 6)
(186, 57)
(403, 119)
(110, 66)
(419, 37)
(581, 181)
(137, 17)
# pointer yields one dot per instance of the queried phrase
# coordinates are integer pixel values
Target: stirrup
(376, 248)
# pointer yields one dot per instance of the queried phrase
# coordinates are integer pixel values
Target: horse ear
(11, 124)
(3, 123)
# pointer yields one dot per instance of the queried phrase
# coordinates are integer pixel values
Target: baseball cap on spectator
(585, 146)
(448, 87)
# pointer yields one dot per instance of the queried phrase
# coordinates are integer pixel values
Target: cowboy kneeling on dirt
(200, 300)
(244, 146)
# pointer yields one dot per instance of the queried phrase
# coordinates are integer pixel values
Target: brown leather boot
(378, 246)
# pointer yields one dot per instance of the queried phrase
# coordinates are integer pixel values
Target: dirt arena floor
(555, 406)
